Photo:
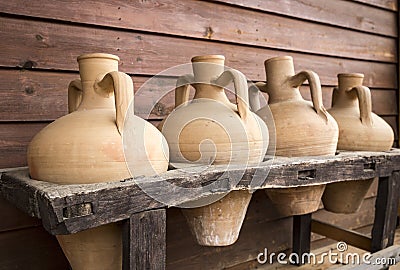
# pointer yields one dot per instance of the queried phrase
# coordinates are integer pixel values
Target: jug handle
(364, 103)
(254, 97)
(240, 84)
(121, 85)
(74, 95)
(182, 89)
(315, 88)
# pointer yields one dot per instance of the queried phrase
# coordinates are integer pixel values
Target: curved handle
(240, 84)
(364, 103)
(182, 89)
(74, 95)
(254, 97)
(315, 88)
(121, 85)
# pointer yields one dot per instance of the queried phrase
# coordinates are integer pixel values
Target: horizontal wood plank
(56, 46)
(208, 21)
(42, 96)
(386, 4)
(339, 12)
(14, 140)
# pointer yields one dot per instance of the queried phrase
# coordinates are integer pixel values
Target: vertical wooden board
(144, 241)
(14, 141)
(338, 12)
(149, 54)
(32, 249)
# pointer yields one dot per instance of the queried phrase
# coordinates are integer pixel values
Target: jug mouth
(354, 75)
(208, 58)
(279, 58)
(98, 55)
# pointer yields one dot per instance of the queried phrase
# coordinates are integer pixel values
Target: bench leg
(144, 241)
(301, 235)
(386, 205)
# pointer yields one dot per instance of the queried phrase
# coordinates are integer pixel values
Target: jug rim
(98, 55)
(279, 58)
(201, 58)
(357, 75)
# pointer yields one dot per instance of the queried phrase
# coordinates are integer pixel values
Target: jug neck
(279, 71)
(208, 91)
(343, 97)
(91, 67)
(206, 69)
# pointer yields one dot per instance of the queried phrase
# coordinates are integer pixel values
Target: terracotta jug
(303, 128)
(359, 130)
(86, 146)
(212, 130)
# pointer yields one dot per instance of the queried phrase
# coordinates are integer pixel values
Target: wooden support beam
(301, 236)
(386, 206)
(333, 232)
(144, 241)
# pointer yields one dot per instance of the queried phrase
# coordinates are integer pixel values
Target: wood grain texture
(209, 22)
(339, 13)
(42, 96)
(56, 46)
(111, 202)
(32, 249)
(386, 4)
(14, 138)
(144, 241)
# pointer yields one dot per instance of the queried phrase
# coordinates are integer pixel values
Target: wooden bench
(66, 209)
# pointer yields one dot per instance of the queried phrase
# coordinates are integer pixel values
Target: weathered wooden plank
(266, 30)
(144, 241)
(31, 248)
(45, 43)
(111, 202)
(42, 96)
(386, 4)
(338, 12)
(14, 140)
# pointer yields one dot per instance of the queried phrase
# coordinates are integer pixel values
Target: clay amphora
(303, 128)
(359, 130)
(236, 134)
(85, 146)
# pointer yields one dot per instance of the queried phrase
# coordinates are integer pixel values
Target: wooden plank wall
(41, 39)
